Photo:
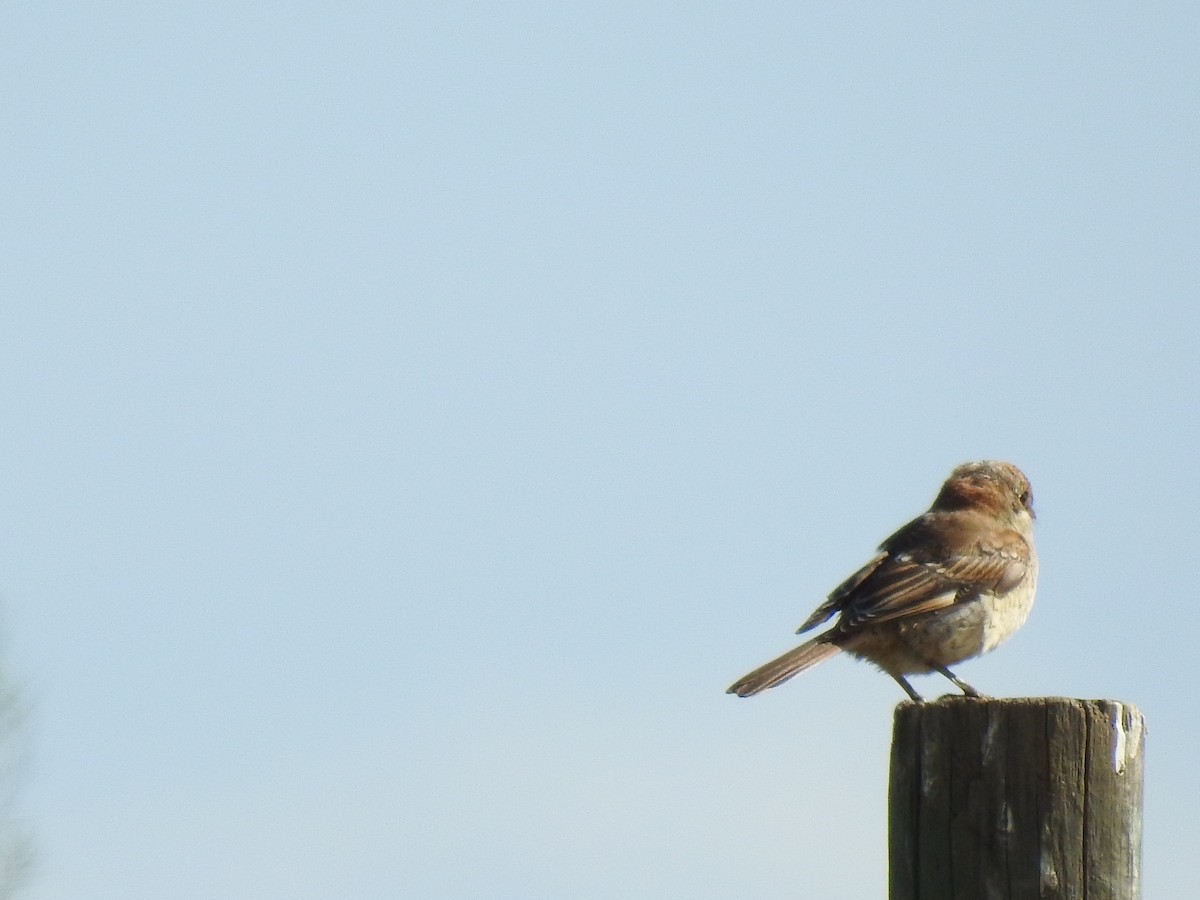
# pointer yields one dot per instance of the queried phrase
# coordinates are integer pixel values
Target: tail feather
(777, 671)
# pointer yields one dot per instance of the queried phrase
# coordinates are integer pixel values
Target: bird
(952, 584)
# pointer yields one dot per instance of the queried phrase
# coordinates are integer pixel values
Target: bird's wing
(907, 587)
(921, 569)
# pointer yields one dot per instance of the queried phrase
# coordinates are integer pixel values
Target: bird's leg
(959, 683)
(908, 688)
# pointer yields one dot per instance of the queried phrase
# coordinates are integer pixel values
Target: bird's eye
(1025, 499)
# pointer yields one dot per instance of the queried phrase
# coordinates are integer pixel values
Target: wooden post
(1015, 799)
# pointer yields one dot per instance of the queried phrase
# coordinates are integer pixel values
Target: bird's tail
(777, 671)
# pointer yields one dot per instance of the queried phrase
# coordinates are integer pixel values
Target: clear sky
(416, 415)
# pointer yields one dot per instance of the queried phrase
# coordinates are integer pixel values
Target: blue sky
(415, 416)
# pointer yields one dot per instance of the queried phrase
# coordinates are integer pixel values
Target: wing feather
(924, 567)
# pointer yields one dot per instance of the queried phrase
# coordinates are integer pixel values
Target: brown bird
(952, 584)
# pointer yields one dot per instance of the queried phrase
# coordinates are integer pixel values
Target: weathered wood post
(1015, 799)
